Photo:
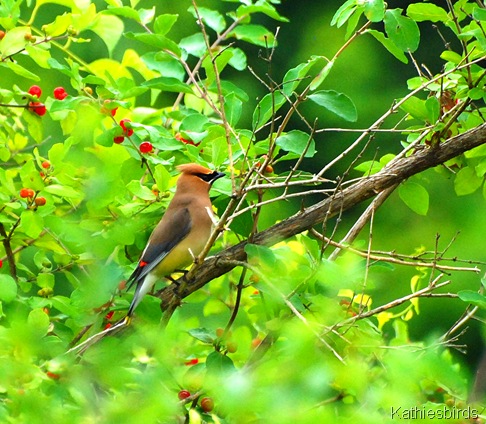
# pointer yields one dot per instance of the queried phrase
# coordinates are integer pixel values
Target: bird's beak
(217, 175)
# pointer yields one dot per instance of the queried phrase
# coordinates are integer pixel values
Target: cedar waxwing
(182, 233)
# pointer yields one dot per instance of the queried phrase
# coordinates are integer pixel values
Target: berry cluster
(28, 193)
(207, 403)
(38, 107)
(125, 124)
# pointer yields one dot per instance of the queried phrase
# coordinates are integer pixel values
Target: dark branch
(394, 173)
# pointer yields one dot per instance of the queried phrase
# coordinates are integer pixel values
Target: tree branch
(394, 173)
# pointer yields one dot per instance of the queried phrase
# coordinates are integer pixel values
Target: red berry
(106, 110)
(183, 394)
(192, 361)
(38, 108)
(107, 326)
(53, 375)
(46, 164)
(2, 34)
(119, 139)
(27, 192)
(256, 342)
(40, 201)
(268, 169)
(1, 263)
(146, 147)
(128, 131)
(207, 404)
(35, 90)
(60, 93)
(109, 315)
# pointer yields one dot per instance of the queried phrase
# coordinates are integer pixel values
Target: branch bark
(394, 173)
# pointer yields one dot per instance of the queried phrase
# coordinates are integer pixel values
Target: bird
(181, 234)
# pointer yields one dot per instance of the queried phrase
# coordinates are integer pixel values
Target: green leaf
(477, 152)
(217, 363)
(265, 8)
(232, 108)
(337, 103)
(219, 150)
(31, 223)
(260, 253)
(466, 181)
(135, 187)
(254, 34)
(63, 191)
(416, 108)
(212, 18)
(403, 31)
(109, 29)
(38, 321)
(13, 41)
(165, 64)
(369, 167)
(45, 279)
(479, 14)
(296, 141)
(451, 56)
(415, 196)
(20, 70)
(194, 44)
(155, 40)
(374, 10)
(8, 288)
(222, 59)
(420, 12)
(294, 76)
(388, 44)
(59, 26)
(202, 334)
(162, 177)
(472, 297)
(39, 55)
(168, 84)
(321, 76)
(344, 13)
(266, 108)
(125, 12)
(238, 59)
(164, 23)
(195, 122)
(433, 108)
(146, 15)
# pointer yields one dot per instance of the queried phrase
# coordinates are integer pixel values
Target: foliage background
(141, 367)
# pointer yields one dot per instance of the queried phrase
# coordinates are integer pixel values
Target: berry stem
(8, 249)
(14, 105)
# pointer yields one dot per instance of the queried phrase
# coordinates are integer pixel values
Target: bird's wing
(157, 250)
